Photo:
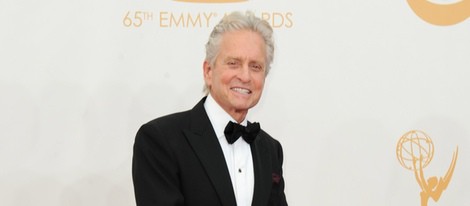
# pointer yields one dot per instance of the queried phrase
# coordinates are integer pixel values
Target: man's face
(237, 78)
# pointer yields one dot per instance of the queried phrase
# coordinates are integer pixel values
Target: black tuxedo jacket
(178, 161)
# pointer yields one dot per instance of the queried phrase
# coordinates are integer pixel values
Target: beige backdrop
(349, 78)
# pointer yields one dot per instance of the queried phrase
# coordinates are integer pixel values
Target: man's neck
(238, 116)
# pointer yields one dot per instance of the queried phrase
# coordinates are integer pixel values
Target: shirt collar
(218, 116)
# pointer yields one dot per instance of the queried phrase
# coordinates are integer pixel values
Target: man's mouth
(241, 90)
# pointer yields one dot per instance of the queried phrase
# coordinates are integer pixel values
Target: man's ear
(207, 70)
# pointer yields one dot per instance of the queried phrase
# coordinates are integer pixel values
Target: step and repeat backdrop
(370, 99)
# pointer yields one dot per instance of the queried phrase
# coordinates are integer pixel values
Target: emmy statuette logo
(415, 150)
(441, 14)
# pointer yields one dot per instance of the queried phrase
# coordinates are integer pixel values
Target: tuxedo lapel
(262, 170)
(203, 140)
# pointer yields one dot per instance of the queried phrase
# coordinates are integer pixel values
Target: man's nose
(244, 74)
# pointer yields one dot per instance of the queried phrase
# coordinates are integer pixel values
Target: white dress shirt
(237, 155)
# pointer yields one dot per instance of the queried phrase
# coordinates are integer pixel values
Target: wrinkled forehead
(243, 45)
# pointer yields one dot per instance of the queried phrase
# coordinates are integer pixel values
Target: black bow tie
(233, 131)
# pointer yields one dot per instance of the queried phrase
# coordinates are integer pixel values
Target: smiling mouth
(241, 90)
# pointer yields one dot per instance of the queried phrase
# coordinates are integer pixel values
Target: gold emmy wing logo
(415, 151)
(211, 1)
(441, 14)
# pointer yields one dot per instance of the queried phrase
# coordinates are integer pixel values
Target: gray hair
(238, 21)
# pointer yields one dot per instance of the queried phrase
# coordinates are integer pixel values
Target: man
(194, 158)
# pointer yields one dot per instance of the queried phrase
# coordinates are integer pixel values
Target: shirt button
(239, 170)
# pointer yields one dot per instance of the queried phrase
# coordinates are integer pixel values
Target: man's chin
(243, 103)
(243, 107)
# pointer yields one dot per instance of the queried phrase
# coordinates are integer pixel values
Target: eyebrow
(241, 59)
(233, 58)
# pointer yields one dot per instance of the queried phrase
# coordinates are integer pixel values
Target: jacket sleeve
(154, 169)
(279, 197)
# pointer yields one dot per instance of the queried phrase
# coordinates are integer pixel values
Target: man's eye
(232, 63)
(257, 67)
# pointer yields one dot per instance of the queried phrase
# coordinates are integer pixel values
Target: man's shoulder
(269, 139)
(164, 129)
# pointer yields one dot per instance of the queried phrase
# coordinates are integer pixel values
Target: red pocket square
(276, 178)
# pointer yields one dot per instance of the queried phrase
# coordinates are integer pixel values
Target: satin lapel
(263, 176)
(203, 140)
